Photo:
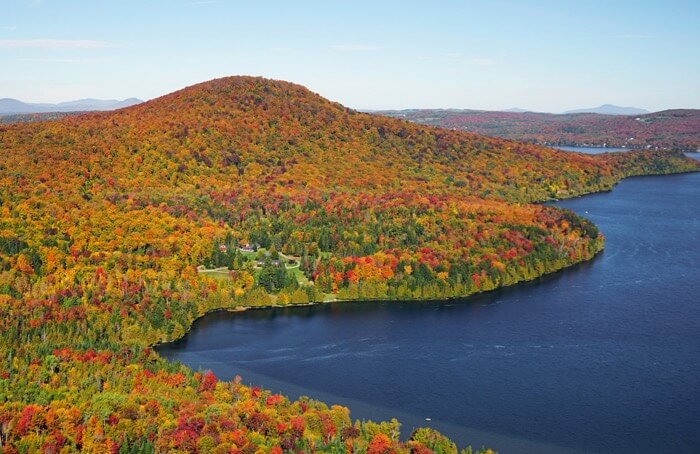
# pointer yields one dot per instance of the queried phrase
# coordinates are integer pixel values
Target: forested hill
(668, 129)
(106, 218)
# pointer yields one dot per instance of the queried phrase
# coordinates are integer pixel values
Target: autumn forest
(119, 229)
(669, 129)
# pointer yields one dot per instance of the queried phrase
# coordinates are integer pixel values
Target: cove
(601, 357)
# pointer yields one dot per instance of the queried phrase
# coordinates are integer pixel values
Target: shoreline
(446, 299)
(449, 298)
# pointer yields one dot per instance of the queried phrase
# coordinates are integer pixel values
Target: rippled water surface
(604, 357)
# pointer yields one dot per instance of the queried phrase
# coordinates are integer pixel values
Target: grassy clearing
(218, 273)
(222, 273)
(301, 278)
(249, 255)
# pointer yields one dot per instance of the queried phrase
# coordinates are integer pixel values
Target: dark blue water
(603, 357)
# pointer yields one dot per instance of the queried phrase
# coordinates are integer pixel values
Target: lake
(602, 357)
(592, 150)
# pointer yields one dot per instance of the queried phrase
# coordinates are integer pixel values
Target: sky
(547, 56)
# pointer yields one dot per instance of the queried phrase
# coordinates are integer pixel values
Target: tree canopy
(108, 219)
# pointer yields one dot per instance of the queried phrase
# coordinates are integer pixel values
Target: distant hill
(516, 110)
(10, 106)
(609, 109)
(679, 128)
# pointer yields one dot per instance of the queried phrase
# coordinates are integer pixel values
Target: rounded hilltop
(228, 95)
(280, 128)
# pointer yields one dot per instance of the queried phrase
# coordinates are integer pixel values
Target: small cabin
(247, 248)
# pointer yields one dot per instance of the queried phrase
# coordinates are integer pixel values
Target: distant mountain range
(609, 109)
(9, 106)
(516, 110)
(605, 109)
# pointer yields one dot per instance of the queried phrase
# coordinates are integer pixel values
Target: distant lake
(602, 357)
(591, 150)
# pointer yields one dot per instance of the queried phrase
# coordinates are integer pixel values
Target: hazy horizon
(541, 56)
(514, 109)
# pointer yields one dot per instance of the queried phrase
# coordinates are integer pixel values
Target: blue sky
(540, 55)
